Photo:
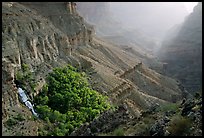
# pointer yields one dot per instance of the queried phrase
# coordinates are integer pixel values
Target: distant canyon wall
(183, 52)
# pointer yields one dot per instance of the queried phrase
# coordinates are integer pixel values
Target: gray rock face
(59, 13)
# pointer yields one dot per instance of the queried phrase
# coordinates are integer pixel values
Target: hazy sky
(153, 18)
(190, 5)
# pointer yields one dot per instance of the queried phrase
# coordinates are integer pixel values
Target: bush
(179, 126)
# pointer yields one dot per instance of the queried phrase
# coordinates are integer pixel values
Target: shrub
(179, 125)
(118, 132)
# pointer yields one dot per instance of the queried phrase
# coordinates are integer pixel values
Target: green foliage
(179, 126)
(42, 132)
(67, 101)
(41, 100)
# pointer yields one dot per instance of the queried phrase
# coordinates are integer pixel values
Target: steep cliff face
(29, 38)
(183, 53)
(36, 35)
(63, 15)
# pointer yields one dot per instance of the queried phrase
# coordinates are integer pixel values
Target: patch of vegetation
(179, 125)
(67, 101)
(42, 132)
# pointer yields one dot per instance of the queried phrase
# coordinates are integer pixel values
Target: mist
(152, 18)
(138, 24)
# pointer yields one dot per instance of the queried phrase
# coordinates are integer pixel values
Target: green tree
(68, 101)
